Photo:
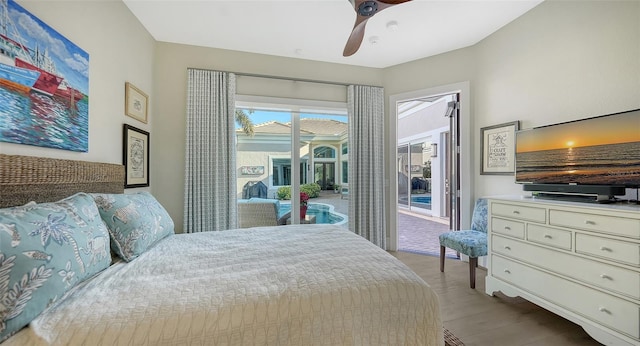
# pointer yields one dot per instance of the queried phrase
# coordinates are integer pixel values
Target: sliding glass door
(414, 175)
(319, 167)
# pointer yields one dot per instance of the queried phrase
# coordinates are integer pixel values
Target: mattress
(283, 285)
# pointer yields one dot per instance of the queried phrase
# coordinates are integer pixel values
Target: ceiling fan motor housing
(368, 8)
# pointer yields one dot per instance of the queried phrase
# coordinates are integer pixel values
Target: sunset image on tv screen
(601, 150)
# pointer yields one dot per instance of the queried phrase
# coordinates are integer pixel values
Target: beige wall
(120, 50)
(560, 61)
(172, 61)
(563, 60)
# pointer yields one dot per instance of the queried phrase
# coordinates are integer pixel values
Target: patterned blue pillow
(136, 222)
(46, 249)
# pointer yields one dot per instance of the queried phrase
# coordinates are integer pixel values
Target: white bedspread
(286, 285)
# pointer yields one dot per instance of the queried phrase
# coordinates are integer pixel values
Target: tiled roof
(310, 126)
(323, 126)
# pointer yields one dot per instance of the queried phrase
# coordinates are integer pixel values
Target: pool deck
(417, 233)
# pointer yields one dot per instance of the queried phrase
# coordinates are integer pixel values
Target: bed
(283, 285)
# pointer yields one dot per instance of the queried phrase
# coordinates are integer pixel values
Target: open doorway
(454, 149)
(424, 172)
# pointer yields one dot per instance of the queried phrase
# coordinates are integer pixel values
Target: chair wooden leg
(442, 251)
(473, 263)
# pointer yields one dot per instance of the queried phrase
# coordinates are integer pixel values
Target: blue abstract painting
(44, 84)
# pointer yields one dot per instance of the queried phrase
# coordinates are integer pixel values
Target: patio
(417, 233)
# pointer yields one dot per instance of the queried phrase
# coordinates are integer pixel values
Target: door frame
(466, 154)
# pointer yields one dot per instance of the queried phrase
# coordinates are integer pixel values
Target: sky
(71, 61)
(618, 128)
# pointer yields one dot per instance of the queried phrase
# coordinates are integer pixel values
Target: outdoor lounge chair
(256, 212)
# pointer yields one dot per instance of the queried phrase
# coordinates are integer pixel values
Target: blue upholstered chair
(472, 243)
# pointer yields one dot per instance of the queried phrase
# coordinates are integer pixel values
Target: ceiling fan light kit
(366, 9)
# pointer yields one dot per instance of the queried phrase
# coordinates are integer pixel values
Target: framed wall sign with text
(498, 148)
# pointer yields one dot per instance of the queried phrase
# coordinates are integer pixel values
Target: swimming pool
(421, 202)
(324, 213)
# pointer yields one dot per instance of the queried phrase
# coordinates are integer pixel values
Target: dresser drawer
(609, 277)
(507, 227)
(611, 249)
(600, 223)
(549, 236)
(519, 212)
(613, 312)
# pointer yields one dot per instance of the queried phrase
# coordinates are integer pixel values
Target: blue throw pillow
(135, 222)
(46, 249)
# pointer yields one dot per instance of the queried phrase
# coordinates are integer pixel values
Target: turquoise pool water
(421, 201)
(322, 212)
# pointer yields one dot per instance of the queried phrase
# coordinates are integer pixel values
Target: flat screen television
(592, 155)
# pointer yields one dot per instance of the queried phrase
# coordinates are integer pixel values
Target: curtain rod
(283, 78)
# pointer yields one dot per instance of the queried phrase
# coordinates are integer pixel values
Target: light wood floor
(479, 319)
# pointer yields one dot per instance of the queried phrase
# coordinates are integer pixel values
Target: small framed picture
(498, 148)
(135, 157)
(136, 102)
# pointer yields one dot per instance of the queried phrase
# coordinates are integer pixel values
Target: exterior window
(282, 172)
(345, 172)
(345, 148)
(324, 153)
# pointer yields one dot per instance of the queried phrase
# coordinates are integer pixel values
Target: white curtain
(366, 162)
(210, 168)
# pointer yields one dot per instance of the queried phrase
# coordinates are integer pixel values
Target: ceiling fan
(365, 9)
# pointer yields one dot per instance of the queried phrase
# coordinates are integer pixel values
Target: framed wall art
(136, 102)
(498, 148)
(135, 157)
(44, 84)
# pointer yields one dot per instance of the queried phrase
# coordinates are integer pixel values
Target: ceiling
(318, 29)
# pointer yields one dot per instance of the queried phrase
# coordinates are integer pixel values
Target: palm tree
(243, 120)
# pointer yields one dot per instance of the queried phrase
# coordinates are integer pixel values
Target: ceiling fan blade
(355, 39)
(393, 2)
(365, 9)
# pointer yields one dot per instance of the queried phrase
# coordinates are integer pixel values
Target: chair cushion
(480, 216)
(470, 243)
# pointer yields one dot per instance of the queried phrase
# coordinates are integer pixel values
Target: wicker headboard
(27, 178)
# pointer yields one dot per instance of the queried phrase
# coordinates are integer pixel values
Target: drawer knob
(507, 271)
(507, 228)
(605, 310)
(548, 236)
(506, 247)
(606, 277)
(604, 248)
(516, 212)
(589, 222)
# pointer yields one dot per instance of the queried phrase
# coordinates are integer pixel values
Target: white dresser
(578, 260)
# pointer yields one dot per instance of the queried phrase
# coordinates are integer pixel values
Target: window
(345, 148)
(324, 153)
(345, 172)
(282, 171)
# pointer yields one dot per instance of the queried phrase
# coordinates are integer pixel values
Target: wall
(120, 50)
(172, 61)
(561, 61)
